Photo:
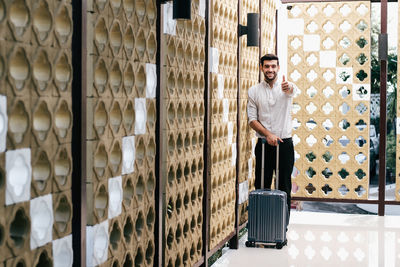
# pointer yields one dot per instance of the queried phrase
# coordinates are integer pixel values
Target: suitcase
(268, 212)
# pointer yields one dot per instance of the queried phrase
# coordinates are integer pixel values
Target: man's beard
(269, 79)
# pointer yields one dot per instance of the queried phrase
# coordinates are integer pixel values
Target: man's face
(270, 69)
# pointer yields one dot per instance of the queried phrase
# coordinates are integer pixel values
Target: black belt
(284, 139)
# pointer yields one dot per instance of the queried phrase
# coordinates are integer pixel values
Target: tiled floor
(327, 239)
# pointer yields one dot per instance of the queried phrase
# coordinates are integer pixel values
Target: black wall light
(182, 9)
(251, 29)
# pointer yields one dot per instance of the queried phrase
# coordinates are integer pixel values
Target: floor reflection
(327, 239)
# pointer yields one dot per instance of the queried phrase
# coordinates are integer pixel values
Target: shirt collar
(266, 85)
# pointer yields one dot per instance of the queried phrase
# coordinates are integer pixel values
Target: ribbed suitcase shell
(268, 216)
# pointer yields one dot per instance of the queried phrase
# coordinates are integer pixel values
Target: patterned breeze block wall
(249, 76)
(268, 24)
(397, 192)
(328, 58)
(183, 134)
(120, 141)
(35, 133)
(223, 77)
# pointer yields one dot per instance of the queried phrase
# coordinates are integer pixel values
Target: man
(269, 114)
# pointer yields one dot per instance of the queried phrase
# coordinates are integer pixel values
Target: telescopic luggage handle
(277, 167)
(264, 141)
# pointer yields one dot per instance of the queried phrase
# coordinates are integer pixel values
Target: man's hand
(273, 140)
(286, 87)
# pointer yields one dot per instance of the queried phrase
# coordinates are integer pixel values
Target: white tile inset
(230, 132)
(311, 42)
(250, 164)
(169, 22)
(253, 146)
(327, 59)
(115, 196)
(243, 191)
(295, 26)
(221, 86)
(214, 60)
(63, 254)
(19, 175)
(41, 213)
(202, 8)
(233, 154)
(140, 116)
(97, 244)
(128, 154)
(3, 122)
(151, 80)
(225, 105)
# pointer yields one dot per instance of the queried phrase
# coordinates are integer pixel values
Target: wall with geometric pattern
(183, 85)
(223, 77)
(35, 132)
(329, 60)
(120, 141)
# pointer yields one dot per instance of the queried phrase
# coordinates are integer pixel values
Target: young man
(269, 114)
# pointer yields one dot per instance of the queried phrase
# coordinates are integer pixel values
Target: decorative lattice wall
(120, 141)
(249, 76)
(183, 134)
(223, 77)
(328, 58)
(268, 25)
(35, 132)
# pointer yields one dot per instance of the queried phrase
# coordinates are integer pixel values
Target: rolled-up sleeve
(251, 108)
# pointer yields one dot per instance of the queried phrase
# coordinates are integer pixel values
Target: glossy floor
(327, 239)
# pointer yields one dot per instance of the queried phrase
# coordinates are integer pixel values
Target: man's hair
(268, 57)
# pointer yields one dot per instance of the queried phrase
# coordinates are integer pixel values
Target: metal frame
(382, 120)
(206, 146)
(159, 225)
(234, 241)
(78, 187)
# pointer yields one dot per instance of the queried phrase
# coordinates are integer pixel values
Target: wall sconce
(251, 29)
(182, 9)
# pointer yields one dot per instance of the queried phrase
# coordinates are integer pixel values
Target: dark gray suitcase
(268, 212)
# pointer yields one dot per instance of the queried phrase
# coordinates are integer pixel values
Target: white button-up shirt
(271, 107)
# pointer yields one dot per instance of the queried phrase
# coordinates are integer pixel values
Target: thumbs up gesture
(286, 87)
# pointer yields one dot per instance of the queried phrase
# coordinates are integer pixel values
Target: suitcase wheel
(250, 244)
(280, 245)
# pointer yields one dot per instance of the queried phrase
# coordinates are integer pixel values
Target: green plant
(360, 174)
(391, 154)
(327, 156)
(310, 172)
(343, 173)
(310, 156)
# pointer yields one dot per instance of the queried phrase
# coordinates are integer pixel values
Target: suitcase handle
(277, 166)
(264, 141)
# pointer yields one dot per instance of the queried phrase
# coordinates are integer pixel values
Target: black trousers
(286, 162)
